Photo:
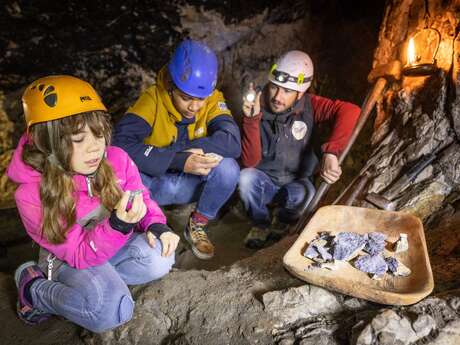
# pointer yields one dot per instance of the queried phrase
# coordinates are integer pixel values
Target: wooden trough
(349, 280)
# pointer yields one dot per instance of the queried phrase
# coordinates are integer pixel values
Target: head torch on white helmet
(293, 70)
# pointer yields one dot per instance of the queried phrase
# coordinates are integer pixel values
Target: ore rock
(375, 243)
(375, 264)
(347, 245)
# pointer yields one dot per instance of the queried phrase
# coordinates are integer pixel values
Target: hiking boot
(195, 234)
(278, 229)
(24, 275)
(256, 238)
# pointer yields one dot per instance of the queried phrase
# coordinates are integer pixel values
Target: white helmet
(293, 70)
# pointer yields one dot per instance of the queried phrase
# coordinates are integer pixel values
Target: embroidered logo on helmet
(85, 98)
(299, 129)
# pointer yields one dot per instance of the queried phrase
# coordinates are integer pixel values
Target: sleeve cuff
(325, 148)
(119, 225)
(157, 229)
(178, 161)
(252, 118)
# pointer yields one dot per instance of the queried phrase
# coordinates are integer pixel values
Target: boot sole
(195, 251)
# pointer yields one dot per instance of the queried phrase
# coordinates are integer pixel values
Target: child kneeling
(83, 202)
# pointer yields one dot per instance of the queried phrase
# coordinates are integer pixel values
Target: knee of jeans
(115, 312)
(247, 179)
(228, 171)
(106, 304)
(160, 265)
(154, 266)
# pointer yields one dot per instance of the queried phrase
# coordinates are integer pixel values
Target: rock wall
(418, 115)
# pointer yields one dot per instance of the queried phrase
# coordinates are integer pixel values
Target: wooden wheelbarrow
(349, 280)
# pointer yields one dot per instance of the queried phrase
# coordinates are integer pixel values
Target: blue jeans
(211, 192)
(98, 298)
(257, 190)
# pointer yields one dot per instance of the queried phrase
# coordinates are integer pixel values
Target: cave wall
(119, 47)
(418, 115)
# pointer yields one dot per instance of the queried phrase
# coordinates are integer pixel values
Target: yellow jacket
(155, 106)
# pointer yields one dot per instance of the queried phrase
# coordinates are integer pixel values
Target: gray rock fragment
(317, 250)
(373, 264)
(289, 305)
(401, 244)
(396, 267)
(387, 328)
(347, 245)
(375, 243)
(392, 264)
(423, 325)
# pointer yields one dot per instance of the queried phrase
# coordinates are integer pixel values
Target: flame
(411, 52)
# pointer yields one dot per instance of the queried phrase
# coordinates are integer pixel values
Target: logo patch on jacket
(222, 105)
(147, 151)
(199, 132)
(299, 129)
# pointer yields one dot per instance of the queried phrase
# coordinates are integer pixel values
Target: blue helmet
(193, 69)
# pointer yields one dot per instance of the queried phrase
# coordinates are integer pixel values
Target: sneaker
(195, 234)
(256, 238)
(24, 274)
(278, 229)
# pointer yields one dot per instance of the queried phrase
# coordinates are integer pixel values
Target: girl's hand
(169, 241)
(135, 213)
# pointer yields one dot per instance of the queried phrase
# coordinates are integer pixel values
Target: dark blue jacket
(129, 134)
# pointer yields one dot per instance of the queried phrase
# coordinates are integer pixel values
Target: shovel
(380, 77)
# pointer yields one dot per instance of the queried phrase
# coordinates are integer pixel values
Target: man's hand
(199, 164)
(169, 241)
(251, 108)
(330, 168)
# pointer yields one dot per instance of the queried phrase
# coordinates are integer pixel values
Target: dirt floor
(227, 233)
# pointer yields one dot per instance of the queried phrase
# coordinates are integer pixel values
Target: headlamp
(284, 77)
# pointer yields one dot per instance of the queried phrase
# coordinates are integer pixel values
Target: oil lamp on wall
(421, 53)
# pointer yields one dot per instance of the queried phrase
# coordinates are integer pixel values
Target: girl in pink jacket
(84, 203)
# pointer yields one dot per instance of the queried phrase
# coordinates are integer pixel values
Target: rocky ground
(254, 300)
(227, 235)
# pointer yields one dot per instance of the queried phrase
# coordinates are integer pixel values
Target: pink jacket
(83, 248)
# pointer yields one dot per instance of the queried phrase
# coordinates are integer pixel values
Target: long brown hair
(53, 139)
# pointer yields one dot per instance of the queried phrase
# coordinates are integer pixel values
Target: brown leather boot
(195, 234)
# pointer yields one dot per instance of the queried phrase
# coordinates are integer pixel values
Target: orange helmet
(58, 96)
